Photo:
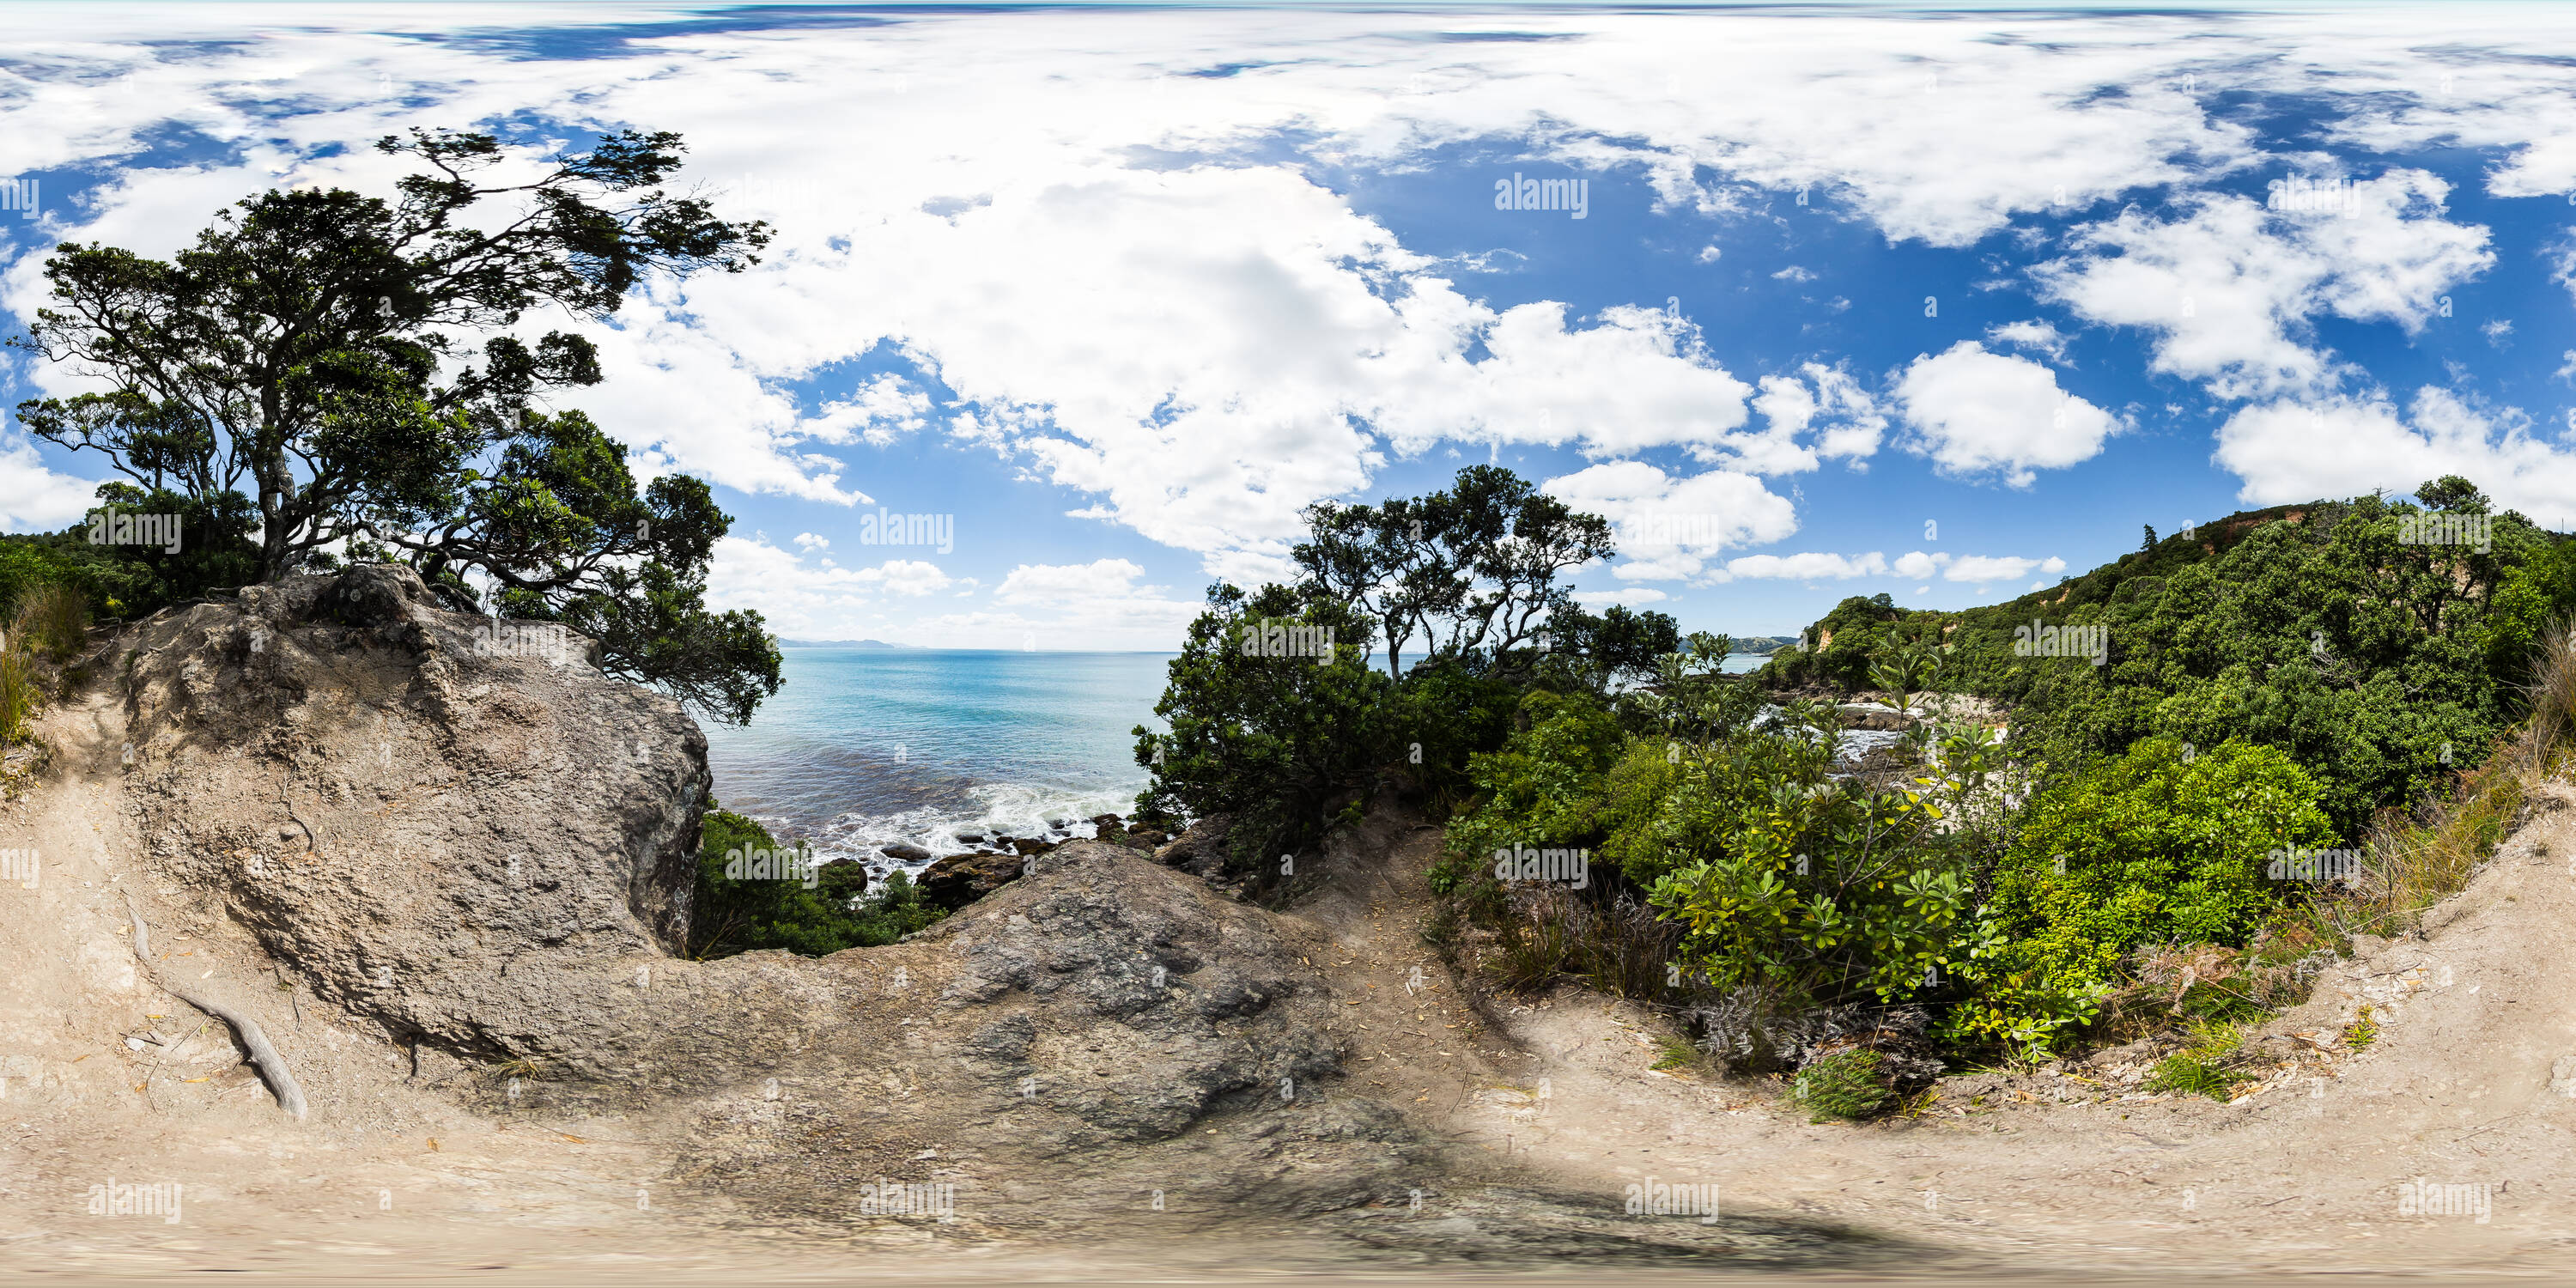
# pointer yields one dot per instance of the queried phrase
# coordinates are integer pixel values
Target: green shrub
(52, 618)
(2155, 846)
(19, 695)
(2203, 1068)
(734, 916)
(1847, 1085)
(1268, 741)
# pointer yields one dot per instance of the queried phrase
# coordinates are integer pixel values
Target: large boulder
(433, 818)
(961, 879)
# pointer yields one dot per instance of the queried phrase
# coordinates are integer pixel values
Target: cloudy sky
(1946, 306)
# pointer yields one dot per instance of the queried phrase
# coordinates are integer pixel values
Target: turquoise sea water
(865, 748)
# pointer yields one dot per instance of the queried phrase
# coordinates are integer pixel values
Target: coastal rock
(845, 876)
(1029, 845)
(1870, 715)
(961, 879)
(1200, 848)
(438, 833)
(902, 852)
(488, 860)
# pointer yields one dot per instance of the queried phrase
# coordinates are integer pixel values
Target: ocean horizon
(864, 748)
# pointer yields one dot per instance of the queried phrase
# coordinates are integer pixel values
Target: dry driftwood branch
(264, 1057)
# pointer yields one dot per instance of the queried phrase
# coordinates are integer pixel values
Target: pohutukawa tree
(343, 364)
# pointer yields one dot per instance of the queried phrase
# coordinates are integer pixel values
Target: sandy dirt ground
(2468, 1092)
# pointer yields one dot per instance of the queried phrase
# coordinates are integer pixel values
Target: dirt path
(109, 1080)
(2303, 1176)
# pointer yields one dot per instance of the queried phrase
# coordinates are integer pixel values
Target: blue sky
(1941, 305)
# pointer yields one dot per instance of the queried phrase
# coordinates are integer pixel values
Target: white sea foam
(1009, 809)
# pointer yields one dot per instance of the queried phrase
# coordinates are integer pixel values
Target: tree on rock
(308, 357)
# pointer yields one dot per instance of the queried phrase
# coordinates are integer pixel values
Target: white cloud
(1980, 569)
(1667, 528)
(1826, 415)
(1069, 583)
(2344, 446)
(2040, 336)
(1914, 565)
(882, 410)
(808, 541)
(1630, 596)
(1977, 413)
(1810, 566)
(2228, 289)
(1793, 273)
(33, 498)
(803, 598)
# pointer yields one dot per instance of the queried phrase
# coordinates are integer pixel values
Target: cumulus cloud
(1820, 412)
(2289, 451)
(33, 498)
(1980, 569)
(1810, 566)
(1668, 527)
(2038, 336)
(1068, 583)
(2228, 289)
(806, 597)
(1631, 596)
(1977, 413)
(884, 409)
(1911, 566)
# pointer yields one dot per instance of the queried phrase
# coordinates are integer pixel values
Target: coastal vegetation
(2063, 847)
(295, 391)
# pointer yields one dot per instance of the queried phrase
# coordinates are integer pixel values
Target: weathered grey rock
(961, 879)
(430, 829)
(903, 853)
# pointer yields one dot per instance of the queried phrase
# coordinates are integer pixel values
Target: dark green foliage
(2149, 847)
(1265, 740)
(1471, 571)
(296, 379)
(730, 916)
(2308, 628)
(1846, 1085)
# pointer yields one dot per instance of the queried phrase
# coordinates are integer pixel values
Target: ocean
(865, 748)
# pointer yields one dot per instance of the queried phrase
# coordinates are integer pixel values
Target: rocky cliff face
(430, 821)
(484, 847)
